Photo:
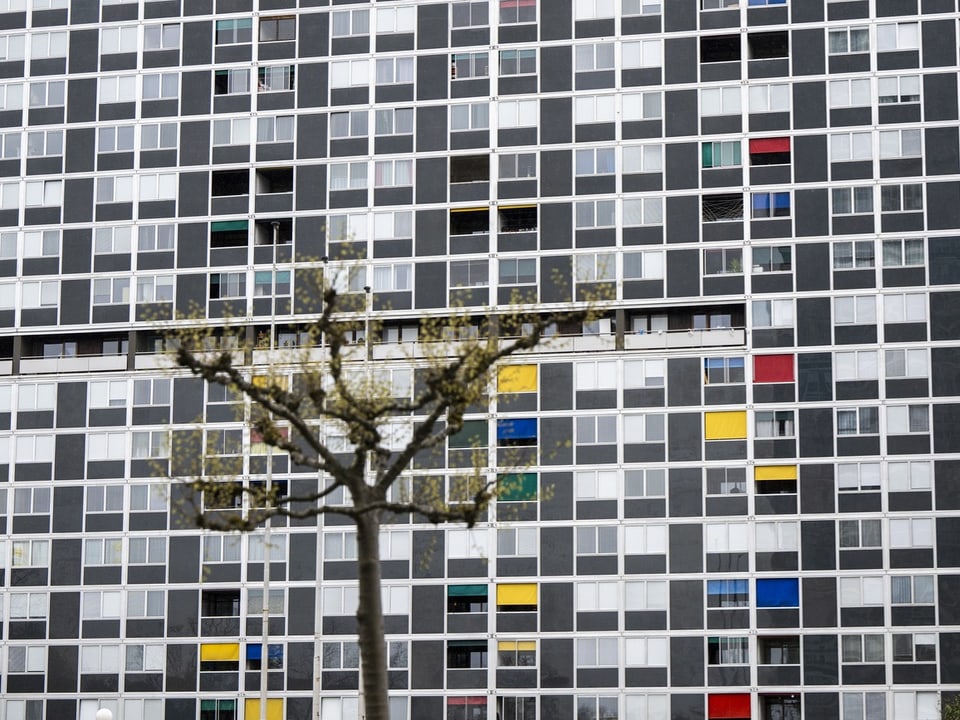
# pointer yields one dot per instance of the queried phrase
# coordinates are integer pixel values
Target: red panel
(728, 706)
(773, 368)
(467, 701)
(505, 4)
(770, 145)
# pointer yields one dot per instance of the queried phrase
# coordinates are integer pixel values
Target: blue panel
(516, 428)
(778, 593)
(254, 651)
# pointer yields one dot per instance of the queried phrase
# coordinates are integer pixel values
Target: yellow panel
(251, 710)
(517, 378)
(518, 594)
(469, 209)
(220, 652)
(507, 645)
(776, 472)
(730, 425)
(516, 207)
(527, 645)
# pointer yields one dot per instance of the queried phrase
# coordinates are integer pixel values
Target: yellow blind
(517, 645)
(517, 378)
(776, 472)
(517, 594)
(731, 425)
(251, 709)
(220, 652)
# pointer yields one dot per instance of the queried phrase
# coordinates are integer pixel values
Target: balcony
(667, 339)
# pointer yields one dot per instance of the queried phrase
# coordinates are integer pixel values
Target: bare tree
(338, 384)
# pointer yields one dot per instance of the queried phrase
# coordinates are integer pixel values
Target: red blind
(770, 145)
(728, 706)
(517, 3)
(467, 701)
(773, 368)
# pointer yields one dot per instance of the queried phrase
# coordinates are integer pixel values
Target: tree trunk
(373, 655)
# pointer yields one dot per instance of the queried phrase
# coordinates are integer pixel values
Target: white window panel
(726, 537)
(645, 539)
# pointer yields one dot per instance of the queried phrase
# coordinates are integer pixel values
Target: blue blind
(778, 593)
(516, 428)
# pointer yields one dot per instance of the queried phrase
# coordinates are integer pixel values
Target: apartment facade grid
(738, 491)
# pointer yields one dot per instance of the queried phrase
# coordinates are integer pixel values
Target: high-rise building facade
(745, 499)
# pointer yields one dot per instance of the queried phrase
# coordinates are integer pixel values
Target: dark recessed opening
(762, 46)
(470, 168)
(274, 180)
(720, 48)
(229, 182)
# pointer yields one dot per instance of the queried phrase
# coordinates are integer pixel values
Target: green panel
(466, 590)
(518, 486)
(227, 225)
(707, 155)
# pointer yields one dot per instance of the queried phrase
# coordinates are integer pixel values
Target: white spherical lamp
(104, 714)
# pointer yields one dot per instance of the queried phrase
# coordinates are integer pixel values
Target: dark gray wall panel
(818, 544)
(557, 23)
(556, 121)
(686, 661)
(943, 205)
(813, 321)
(815, 428)
(686, 548)
(819, 602)
(556, 662)
(820, 660)
(807, 53)
(556, 607)
(556, 74)
(431, 26)
(680, 16)
(197, 42)
(556, 551)
(684, 434)
(684, 377)
(680, 113)
(426, 664)
(939, 43)
(686, 604)
(680, 60)
(812, 98)
(940, 96)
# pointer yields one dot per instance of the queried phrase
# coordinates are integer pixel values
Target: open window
(768, 45)
(776, 480)
(516, 432)
(219, 657)
(518, 218)
(229, 182)
(720, 48)
(274, 180)
(467, 599)
(721, 208)
(469, 221)
(228, 233)
(517, 597)
(770, 151)
(469, 168)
